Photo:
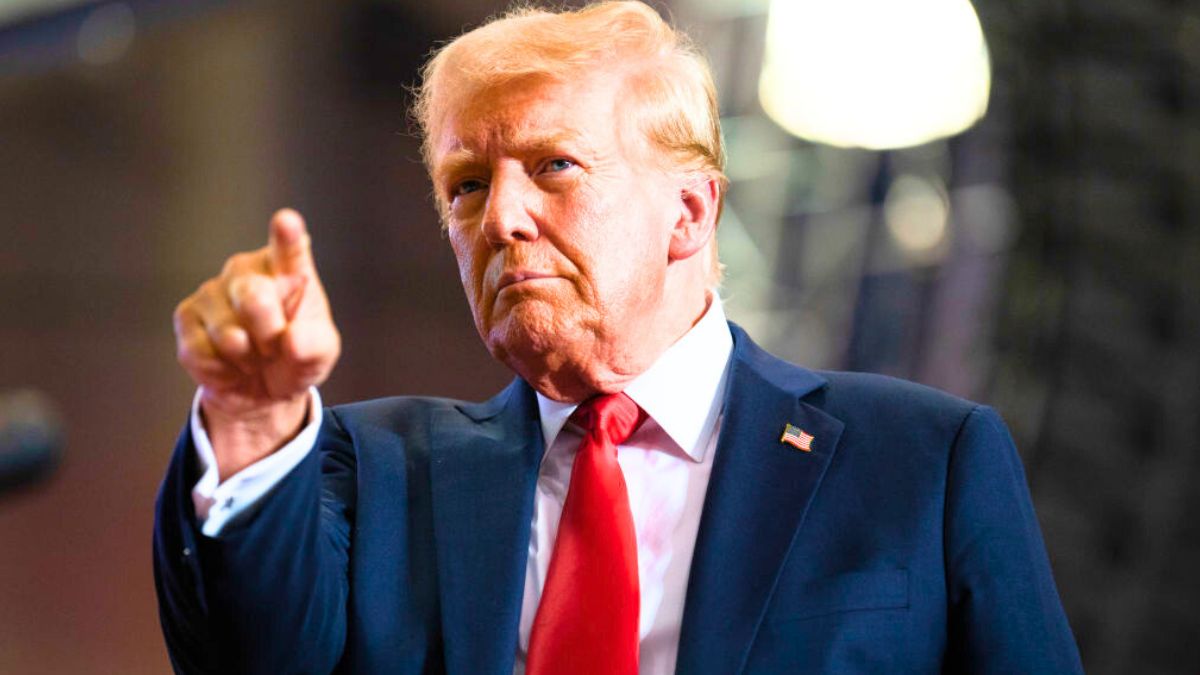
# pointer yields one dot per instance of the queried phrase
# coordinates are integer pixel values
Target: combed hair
(674, 100)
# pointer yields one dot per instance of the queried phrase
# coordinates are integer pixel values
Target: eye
(466, 187)
(559, 164)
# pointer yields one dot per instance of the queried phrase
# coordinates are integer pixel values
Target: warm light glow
(874, 73)
(916, 213)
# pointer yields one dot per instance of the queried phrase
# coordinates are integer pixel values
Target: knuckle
(258, 306)
(183, 354)
(190, 348)
(226, 338)
(209, 289)
(189, 357)
(240, 284)
(236, 282)
(180, 313)
(257, 299)
(235, 263)
(231, 342)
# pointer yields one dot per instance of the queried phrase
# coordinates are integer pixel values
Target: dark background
(142, 142)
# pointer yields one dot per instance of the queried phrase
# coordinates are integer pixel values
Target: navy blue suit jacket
(904, 542)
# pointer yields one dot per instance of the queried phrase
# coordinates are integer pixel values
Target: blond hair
(673, 103)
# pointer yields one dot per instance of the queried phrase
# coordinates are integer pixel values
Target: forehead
(526, 113)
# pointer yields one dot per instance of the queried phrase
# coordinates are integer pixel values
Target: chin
(530, 334)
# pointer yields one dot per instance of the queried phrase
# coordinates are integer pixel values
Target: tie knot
(613, 416)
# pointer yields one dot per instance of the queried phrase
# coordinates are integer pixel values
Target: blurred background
(1001, 200)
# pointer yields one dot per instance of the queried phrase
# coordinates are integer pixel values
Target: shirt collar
(682, 391)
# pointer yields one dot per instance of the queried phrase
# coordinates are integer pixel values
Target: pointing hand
(255, 338)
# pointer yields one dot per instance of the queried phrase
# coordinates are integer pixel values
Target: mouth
(518, 277)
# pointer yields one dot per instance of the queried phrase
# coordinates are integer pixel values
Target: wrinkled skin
(576, 248)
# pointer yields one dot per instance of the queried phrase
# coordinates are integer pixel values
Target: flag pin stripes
(797, 438)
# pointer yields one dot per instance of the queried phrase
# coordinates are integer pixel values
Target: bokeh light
(874, 74)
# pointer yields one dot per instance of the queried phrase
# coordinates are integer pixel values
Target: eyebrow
(462, 158)
(454, 163)
(543, 139)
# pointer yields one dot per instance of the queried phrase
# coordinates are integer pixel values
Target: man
(652, 494)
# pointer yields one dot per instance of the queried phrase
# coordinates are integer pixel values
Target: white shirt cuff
(217, 503)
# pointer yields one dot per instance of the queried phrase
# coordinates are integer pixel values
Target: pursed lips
(515, 277)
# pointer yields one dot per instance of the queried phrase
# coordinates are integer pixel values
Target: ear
(697, 222)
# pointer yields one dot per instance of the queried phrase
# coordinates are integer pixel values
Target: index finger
(290, 248)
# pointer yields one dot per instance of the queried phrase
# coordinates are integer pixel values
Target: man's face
(560, 219)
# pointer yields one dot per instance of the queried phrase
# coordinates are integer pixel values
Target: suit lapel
(757, 499)
(483, 486)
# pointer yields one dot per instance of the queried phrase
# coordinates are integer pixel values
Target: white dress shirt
(666, 464)
(217, 503)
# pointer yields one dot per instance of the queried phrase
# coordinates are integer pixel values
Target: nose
(507, 216)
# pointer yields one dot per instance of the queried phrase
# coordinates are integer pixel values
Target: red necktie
(587, 620)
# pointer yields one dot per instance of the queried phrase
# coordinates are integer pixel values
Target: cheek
(470, 263)
(636, 240)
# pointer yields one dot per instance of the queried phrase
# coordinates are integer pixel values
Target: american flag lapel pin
(797, 438)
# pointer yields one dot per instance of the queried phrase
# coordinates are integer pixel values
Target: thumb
(289, 247)
(290, 288)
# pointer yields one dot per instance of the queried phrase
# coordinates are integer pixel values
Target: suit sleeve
(1005, 612)
(268, 594)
